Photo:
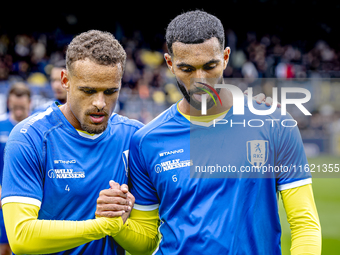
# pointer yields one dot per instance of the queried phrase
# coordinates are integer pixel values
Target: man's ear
(226, 54)
(168, 61)
(65, 82)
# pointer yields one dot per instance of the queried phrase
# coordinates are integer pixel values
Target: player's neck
(65, 109)
(227, 102)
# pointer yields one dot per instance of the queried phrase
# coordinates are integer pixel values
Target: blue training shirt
(50, 164)
(182, 168)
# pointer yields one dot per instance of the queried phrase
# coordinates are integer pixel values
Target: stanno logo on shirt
(170, 152)
(59, 161)
(65, 174)
(172, 164)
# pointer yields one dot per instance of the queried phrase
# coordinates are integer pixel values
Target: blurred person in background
(59, 92)
(19, 100)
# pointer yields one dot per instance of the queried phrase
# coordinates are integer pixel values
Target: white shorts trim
(24, 200)
(295, 184)
(145, 207)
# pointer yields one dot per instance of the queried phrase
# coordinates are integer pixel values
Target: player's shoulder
(33, 128)
(125, 122)
(157, 126)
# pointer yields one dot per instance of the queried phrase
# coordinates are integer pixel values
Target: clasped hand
(115, 202)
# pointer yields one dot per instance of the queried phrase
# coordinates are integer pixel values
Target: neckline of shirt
(71, 129)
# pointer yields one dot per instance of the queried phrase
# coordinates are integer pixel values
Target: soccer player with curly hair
(59, 160)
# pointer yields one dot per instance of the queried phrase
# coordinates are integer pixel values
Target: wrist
(125, 216)
(111, 226)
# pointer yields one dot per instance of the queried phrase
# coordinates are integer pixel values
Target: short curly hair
(100, 47)
(194, 27)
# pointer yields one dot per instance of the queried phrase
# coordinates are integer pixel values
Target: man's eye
(91, 91)
(210, 67)
(187, 70)
(110, 91)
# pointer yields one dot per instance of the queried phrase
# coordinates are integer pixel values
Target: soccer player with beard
(236, 214)
(58, 161)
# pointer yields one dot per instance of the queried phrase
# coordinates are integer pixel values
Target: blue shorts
(3, 236)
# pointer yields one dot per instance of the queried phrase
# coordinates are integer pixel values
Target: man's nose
(200, 74)
(99, 101)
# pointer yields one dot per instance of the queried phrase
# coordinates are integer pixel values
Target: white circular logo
(51, 173)
(158, 168)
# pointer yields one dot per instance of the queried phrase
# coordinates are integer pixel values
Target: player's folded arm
(27, 234)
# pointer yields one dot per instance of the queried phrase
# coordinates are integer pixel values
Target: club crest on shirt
(257, 152)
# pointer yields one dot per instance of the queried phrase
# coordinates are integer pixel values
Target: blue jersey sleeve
(292, 160)
(141, 185)
(22, 179)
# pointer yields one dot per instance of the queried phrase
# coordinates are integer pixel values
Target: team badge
(257, 152)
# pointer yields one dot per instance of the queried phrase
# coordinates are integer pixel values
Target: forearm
(139, 234)
(303, 219)
(27, 234)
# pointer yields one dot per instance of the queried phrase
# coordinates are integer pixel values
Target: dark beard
(192, 101)
(94, 129)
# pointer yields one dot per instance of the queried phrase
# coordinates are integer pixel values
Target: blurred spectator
(19, 99)
(249, 71)
(59, 94)
(55, 77)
